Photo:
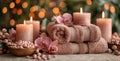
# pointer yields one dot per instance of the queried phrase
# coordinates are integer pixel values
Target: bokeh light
(43, 10)
(106, 6)
(41, 14)
(34, 8)
(4, 10)
(52, 4)
(112, 9)
(19, 11)
(17, 1)
(31, 14)
(12, 5)
(62, 4)
(12, 22)
(89, 2)
(25, 4)
(56, 10)
(14, 11)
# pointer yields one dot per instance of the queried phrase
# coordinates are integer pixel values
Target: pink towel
(81, 48)
(76, 33)
(98, 47)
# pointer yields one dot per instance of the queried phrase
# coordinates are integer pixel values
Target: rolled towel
(68, 48)
(98, 47)
(81, 48)
(76, 33)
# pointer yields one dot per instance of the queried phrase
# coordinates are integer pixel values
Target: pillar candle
(81, 18)
(24, 32)
(36, 27)
(105, 25)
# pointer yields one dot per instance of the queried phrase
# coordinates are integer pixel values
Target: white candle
(105, 25)
(36, 27)
(24, 32)
(81, 18)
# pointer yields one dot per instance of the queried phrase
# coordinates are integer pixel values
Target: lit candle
(24, 32)
(81, 18)
(36, 27)
(105, 25)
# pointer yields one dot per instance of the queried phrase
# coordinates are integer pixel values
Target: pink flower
(43, 42)
(12, 34)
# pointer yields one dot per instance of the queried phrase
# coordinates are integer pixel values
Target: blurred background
(13, 12)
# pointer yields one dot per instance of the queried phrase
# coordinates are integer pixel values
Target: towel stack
(76, 39)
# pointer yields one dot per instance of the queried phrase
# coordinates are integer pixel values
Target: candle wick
(81, 10)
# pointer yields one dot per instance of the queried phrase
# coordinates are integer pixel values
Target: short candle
(24, 32)
(81, 18)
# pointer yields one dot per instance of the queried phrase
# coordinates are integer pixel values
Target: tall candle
(24, 32)
(36, 27)
(105, 25)
(81, 18)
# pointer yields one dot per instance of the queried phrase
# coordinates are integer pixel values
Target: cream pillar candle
(36, 27)
(24, 32)
(105, 25)
(81, 18)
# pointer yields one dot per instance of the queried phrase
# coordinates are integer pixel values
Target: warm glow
(52, 4)
(14, 11)
(43, 10)
(89, 2)
(106, 6)
(112, 9)
(19, 11)
(103, 15)
(17, 1)
(24, 5)
(12, 22)
(41, 14)
(31, 14)
(56, 10)
(12, 5)
(24, 22)
(34, 8)
(62, 4)
(81, 10)
(31, 19)
(4, 10)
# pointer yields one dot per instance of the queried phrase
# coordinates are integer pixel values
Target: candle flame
(31, 19)
(24, 22)
(81, 10)
(103, 14)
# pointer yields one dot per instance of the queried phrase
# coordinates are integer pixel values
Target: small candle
(36, 27)
(105, 25)
(24, 32)
(81, 18)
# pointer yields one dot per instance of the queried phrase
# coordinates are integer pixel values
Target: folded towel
(80, 48)
(76, 33)
(98, 47)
